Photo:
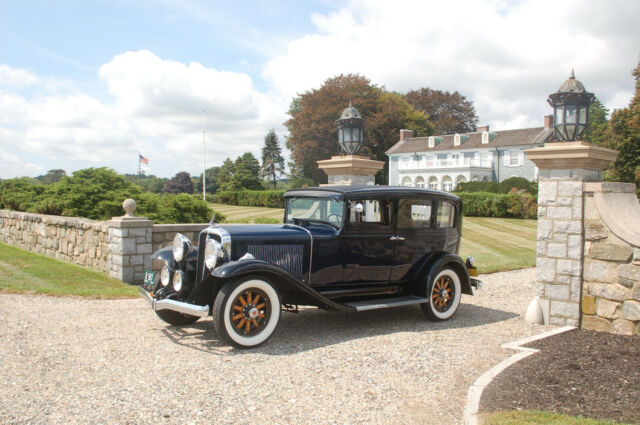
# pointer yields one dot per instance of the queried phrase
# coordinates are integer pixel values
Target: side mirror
(359, 208)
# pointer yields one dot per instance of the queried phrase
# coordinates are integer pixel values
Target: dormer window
(456, 140)
(485, 137)
(432, 142)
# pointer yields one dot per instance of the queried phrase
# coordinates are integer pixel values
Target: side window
(369, 214)
(414, 214)
(446, 215)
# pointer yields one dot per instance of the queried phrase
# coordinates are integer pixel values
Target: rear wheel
(246, 312)
(444, 295)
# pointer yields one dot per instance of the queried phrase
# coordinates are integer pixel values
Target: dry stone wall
(76, 240)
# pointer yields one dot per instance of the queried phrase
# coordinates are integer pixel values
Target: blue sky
(93, 83)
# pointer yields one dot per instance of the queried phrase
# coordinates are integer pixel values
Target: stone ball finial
(129, 206)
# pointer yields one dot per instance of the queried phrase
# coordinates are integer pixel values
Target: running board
(386, 302)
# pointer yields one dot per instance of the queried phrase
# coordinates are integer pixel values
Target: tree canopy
(52, 176)
(598, 122)
(211, 182)
(242, 174)
(272, 160)
(313, 131)
(623, 135)
(180, 183)
(449, 113)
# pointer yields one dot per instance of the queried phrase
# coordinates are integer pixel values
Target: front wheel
(246, 312)
(443, 294)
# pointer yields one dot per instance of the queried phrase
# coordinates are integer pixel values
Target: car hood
(266, 231)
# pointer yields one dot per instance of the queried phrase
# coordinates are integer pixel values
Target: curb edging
(472, 405)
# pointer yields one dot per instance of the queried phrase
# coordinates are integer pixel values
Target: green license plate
(149, 278)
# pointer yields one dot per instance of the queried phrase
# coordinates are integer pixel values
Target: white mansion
(441, 162)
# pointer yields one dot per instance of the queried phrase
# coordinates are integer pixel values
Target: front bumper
(179, 306)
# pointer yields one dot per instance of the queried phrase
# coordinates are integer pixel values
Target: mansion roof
(506, 138)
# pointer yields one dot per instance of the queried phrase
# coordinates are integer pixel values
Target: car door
(415, 235)
(367, 243)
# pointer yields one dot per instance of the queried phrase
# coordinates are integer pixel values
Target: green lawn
(27, 272)
(496, 244)
(539, 418)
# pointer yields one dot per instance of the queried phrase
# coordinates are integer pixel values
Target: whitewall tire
(444, 293)
(246, 311)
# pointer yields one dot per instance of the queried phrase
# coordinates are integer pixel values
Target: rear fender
(437, 262)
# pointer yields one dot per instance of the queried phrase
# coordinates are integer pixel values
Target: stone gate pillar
(563, 169)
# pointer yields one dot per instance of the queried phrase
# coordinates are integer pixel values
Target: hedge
(512, 205)
(251, 198)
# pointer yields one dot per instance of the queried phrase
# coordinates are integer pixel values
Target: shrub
(484, 204)
(506, 186)
(251, 198)
(98, 194)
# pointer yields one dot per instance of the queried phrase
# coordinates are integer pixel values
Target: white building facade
(441, 162)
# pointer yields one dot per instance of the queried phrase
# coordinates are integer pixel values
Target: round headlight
(177, 281)
(165, 274)
(212, 252)
(181, 246)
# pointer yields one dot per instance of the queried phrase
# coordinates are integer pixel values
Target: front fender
(454, 261)
(285, 281)
(165, 254)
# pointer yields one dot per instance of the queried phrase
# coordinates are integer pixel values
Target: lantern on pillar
(350, 134)
(570, 110)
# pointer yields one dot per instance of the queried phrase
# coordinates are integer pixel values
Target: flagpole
(204, 198)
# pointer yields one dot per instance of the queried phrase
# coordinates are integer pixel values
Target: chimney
(482, 128)
(548, 121)
(405, 134)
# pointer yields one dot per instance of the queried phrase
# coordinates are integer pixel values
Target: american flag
(143, 159)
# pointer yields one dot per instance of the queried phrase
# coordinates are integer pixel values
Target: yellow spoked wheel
(443, 293)
(246, 311)
(250, 311)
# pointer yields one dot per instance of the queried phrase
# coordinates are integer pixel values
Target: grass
(496, 244)
(530, 417)
(27, 272)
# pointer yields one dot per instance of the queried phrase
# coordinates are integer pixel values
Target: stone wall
(611, 289)
(163, 233)
(559, 249)
(76, 240)
(121, 247)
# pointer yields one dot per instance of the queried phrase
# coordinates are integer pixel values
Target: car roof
(368, 190)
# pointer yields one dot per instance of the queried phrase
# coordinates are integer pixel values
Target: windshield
(315, 209)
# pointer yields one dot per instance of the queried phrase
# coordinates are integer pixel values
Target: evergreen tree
(272, 160)
(598, 123)
(246, 173)
(225, 174)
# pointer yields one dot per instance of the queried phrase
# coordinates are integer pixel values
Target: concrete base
(572, 159)
(350, 170)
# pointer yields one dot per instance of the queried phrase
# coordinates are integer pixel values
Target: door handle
(396, 238)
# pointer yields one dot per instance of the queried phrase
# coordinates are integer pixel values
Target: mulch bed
(586, 373)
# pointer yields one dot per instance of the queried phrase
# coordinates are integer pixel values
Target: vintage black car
(341, 248)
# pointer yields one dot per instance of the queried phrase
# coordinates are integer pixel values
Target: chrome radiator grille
(287, 257)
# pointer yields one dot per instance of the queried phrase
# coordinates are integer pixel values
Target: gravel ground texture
(78, 361)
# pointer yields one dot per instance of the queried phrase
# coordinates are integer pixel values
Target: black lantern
(570, 110)
(350, 134)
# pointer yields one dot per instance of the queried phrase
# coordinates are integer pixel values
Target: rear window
(446, 215)
(414, 214)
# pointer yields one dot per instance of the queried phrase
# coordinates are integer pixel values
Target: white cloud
(156, 110)
(506, 57)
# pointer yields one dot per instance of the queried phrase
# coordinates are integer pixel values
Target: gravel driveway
(76, 361)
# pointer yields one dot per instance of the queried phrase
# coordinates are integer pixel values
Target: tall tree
(246, 173)
(598, 123)
(223, 181)
(180, 183)
(449, 112)
(211, 182)
(272, 160)
(624, 136)
(313, 132)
